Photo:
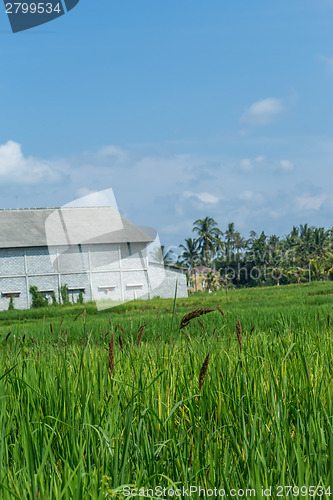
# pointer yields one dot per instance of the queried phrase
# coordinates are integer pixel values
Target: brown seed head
(220, 310)
(194, 314)
(111, 356)
(201, 324)
(140, 334)
(203, 372)
(120, 328)
(188, 337)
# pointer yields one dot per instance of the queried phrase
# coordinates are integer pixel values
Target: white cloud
(15, 168)
(307, 202)
(251, 196)
(286, 165)
(113, 152)
(262, 112)
(203, 197)
(248, 164)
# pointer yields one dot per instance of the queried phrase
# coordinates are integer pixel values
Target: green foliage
(37, 298)
(161, 256)
(70, 427)
(11, 304)
(54, 299)
(80, 299)
(64, 294)
(305, 254)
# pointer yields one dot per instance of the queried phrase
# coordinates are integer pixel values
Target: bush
(37, 298)
(54, 299)
(80, 298)
(64, 294)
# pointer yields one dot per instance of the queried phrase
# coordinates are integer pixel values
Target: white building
(90, 249)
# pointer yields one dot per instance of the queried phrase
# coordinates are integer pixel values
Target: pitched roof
(66, 226)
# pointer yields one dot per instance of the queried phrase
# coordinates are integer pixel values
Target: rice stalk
(120, 328)
(140, 334)
(194, 314)
(186, 335)
(203, 372)
(220, 310)
(239, 334)
(111, 356)
(201, 324)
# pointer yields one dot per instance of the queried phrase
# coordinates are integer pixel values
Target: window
(106, 289)
(8, 295)
(135, 286)
(46, 292)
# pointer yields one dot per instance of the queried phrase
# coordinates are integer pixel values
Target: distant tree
(208, 236)
(190, 255)
(229, 236)
(161, 256)
(321, 242)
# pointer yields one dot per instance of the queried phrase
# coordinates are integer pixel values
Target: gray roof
(66, 226)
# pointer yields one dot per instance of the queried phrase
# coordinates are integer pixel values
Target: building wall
(107, 273)
(163, 281)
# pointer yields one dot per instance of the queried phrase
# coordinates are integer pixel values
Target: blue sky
(185, 108)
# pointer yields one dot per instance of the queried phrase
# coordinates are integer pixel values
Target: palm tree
(209, 235)
(239, 242)
(229, 236)
(160, 256)
(320, 242)
(190, 255)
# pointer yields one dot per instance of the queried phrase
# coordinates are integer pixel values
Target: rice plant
(82, 415)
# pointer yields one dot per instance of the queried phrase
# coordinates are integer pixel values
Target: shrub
(80, 298)
(37, 298)
(54, 299)
(64, 294)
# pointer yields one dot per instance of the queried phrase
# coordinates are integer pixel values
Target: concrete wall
(105, 272)
(163, 281)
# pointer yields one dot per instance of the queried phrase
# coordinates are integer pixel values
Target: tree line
(304, 254)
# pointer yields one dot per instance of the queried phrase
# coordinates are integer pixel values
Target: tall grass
(82, 418)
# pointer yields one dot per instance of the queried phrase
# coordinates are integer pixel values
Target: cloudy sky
(184, 108)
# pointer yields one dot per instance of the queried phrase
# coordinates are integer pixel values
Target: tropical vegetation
(305, 254)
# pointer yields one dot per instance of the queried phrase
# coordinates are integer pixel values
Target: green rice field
(98, 405)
